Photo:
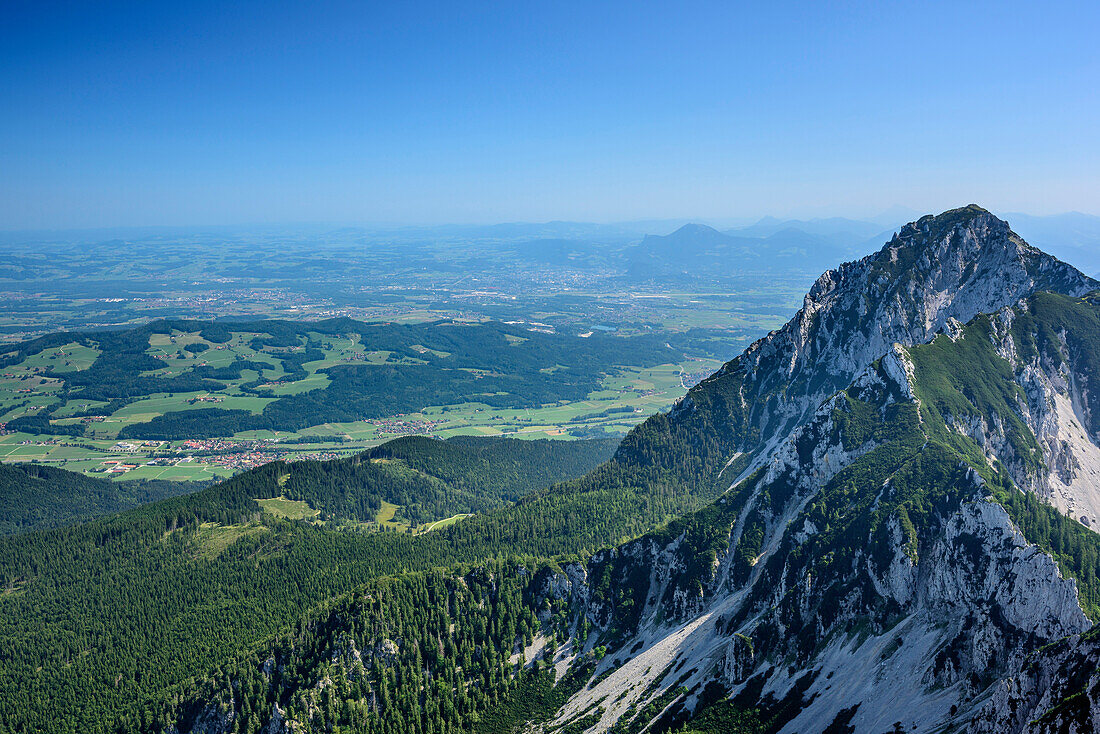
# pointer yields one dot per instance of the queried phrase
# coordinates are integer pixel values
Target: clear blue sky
(408, 112)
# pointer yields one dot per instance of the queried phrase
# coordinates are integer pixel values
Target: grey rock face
(1054, 405)
(1057, 692)
(935, 273)
(938, 628)
(216, 717)
(277, 724)
(738, 661)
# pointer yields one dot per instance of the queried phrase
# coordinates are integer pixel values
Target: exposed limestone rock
(1057, 692)
(934, 274)
(899, 367)
(385, 652)
(216, 717)
(915, 630)
(738, 662)
(1053, 404)
(277, 724)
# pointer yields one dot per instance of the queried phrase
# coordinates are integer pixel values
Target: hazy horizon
(657, 226)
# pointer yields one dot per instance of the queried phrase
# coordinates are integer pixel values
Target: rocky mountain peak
(965, 248)
(882, 568)
(936, 227)
(952, 266)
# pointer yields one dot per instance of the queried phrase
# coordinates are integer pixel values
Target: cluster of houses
(395, 427)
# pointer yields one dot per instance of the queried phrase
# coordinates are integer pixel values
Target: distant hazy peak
(691, 230)
(695, 228)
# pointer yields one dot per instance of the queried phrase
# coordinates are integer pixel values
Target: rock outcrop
(1057, 692)
(861, 571)
(935, 272)
(785, 612)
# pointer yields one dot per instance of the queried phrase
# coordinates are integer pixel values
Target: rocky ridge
(937, 270)
(1057, 692)
(963, 592)
(883, 620)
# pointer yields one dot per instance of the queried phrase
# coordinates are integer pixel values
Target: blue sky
(408, 112)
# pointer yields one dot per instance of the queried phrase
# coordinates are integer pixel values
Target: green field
(622, 399)
(290, 509)
(212, 539)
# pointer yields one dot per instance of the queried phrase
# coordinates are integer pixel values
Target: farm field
(295, 276)
(289, 509)
(55, 413)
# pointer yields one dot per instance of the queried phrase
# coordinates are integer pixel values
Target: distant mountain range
(769, 245)
(688, 249)
(773, 244)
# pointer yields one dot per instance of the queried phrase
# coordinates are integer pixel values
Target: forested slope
(34, 497)
(161, 587)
